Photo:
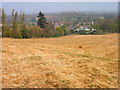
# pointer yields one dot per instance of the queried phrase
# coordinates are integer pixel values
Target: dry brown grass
(70, 61)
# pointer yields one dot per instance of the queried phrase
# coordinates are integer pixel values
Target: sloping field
(71, 61)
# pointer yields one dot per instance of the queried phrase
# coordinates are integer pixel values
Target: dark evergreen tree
(41, 20)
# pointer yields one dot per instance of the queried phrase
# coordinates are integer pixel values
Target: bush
(25, 33)
(20, 36)
(48, 36)
(9, 33)
(59, 31)
(35, 31)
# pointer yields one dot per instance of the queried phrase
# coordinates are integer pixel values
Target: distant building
(58, 24)
(36, 19)
(101, 17)
(83, 28)
(87, 29)
(93, 29)
(92, 23)
(0, 25)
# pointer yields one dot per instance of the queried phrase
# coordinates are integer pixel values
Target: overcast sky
(35, 7)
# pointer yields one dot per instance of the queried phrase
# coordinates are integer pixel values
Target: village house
(0, 25)
(58, 24)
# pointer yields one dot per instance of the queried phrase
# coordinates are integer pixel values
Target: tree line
(17, 28)
(106, 26)
(13, 29)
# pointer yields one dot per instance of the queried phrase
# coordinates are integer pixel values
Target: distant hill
(32, 17)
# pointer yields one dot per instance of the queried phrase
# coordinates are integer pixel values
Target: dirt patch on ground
(70, 61)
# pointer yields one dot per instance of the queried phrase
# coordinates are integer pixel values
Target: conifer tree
(22, 18)
(0, 16)
(16, 31)
(12, 18)
(41, 20)
(4, 27)
(15, 25)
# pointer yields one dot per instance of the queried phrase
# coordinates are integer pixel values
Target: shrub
(9, 33)
(20, 36)
(59, 31)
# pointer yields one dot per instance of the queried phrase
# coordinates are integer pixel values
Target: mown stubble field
(71, 61)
